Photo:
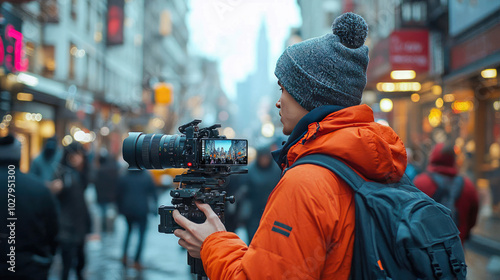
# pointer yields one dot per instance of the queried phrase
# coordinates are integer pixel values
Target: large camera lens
(154, 151)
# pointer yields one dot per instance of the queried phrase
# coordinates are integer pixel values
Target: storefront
(399, 72)
(473, 85)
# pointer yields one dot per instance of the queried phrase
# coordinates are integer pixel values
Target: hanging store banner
(115, 22)
(409, 50)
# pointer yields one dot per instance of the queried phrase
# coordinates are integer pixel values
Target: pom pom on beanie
(351, 29)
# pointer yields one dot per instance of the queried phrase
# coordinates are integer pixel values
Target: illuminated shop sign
(115, 22)
(409, 50)
(12, 55)
(462, 106)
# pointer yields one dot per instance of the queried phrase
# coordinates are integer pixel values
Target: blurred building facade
(433, 77)
(165, 59)
(450, 52)
(257, 95)
(76, 65)
(213, 106)
(433, 72)
(99, 67)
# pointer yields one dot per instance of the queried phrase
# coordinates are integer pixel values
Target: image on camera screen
(224, 152)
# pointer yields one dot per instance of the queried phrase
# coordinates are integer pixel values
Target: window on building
(73, 50)
(49, 11)
(74, 4)
(30, 50)
(413, 13)
(48, 61)
(99, 74)
(89, 16)
(89, 79)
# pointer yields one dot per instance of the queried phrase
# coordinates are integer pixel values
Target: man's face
(290, 111)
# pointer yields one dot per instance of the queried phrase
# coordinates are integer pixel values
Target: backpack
(400, 232)
(448, 191)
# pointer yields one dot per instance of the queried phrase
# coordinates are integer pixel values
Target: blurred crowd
(55, 212)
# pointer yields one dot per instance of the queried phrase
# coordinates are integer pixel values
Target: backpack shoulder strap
(457, 187)
(447, 187)
(334, 165)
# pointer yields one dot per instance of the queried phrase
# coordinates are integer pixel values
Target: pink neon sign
(14, 59)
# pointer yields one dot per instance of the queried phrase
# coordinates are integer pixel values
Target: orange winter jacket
(307, 229)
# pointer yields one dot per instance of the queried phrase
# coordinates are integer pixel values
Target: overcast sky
(227, 30)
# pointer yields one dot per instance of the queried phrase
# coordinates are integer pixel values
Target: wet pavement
(162, 257)
(482, 250)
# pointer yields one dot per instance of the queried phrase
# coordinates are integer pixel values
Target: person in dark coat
(106, 181)
(236, 214)
(70, 185)
(443, 162)
(46, 164)
(135, 191)
(33, 224)
(263, 175)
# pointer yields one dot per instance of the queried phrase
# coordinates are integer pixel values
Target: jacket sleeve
(293, 239)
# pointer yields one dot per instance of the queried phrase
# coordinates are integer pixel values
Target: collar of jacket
(316, 115)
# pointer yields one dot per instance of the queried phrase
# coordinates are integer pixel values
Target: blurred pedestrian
(236, 214)
(33, 234)
(136, 195)
(106, 180)
(412, 169)
(263, 175)
(70, 184)
(442, 182)
(46, 163)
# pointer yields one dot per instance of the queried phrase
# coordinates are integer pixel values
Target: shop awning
(475, 54)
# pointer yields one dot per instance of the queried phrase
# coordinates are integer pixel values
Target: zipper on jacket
(317, 129)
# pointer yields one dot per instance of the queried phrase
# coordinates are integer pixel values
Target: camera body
(196, 149)
(184, 202)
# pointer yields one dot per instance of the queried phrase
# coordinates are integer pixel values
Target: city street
(103, 103)
(162, 257)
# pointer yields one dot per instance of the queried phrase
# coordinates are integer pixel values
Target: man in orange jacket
(307, 229)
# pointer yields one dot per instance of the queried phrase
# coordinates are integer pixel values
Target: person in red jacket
(443, 162)
(307, 228)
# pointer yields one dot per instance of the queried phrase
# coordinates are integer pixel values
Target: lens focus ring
(155, 151)
(146, 145)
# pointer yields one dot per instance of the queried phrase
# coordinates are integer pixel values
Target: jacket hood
(351, 135)
(442, 160)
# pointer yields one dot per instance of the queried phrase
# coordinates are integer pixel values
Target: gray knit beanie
(327, 70)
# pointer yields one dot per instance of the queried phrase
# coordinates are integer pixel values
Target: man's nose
(278, 104)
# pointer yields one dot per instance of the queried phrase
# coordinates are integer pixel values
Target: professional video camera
(208, 157)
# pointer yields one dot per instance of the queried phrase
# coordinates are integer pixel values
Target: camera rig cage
(201, 183)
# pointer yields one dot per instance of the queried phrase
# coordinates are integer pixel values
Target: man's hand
(194, 234)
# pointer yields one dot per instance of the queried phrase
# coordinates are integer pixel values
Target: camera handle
(197, 268)
(204, 187)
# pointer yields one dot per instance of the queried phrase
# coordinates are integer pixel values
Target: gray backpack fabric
(449, 189)
(400, 232)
